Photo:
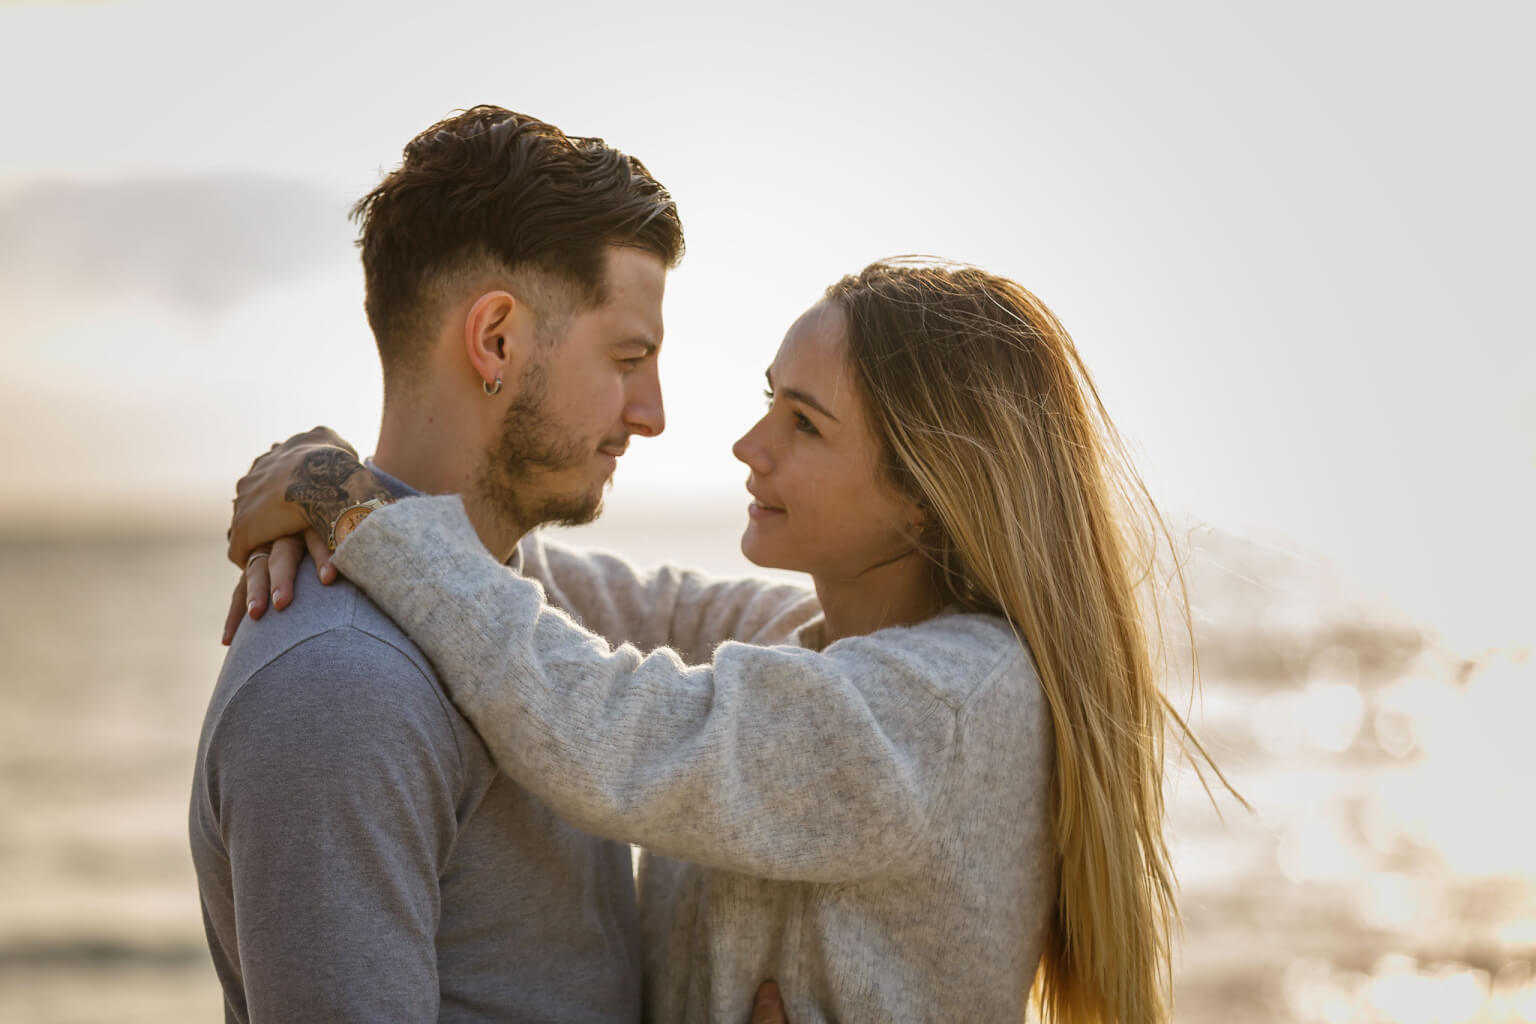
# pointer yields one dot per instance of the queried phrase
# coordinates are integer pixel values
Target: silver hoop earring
(492, 389)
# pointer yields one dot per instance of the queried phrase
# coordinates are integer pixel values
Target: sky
(1293, 242)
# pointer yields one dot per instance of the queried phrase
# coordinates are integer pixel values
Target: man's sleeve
(333, 777)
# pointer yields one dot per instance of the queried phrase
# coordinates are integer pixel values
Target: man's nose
(644, 413)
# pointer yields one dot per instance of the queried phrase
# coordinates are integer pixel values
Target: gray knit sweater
(867, 823)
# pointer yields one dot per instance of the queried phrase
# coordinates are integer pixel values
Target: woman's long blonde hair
(990, 419)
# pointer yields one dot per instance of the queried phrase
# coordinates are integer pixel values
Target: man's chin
(574, 509)
(580, 515)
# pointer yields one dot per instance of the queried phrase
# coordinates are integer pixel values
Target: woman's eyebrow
(801, 397)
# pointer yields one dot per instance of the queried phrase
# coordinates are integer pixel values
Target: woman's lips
(757, 510)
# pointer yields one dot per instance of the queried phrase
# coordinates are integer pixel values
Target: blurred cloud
(200, 244)
(149, 318)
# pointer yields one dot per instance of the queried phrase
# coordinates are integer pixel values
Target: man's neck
(497, 532)
(426, 453)
(424, 458)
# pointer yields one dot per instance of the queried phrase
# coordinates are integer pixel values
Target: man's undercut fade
(497, 192)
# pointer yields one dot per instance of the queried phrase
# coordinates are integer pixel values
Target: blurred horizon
(647, 524)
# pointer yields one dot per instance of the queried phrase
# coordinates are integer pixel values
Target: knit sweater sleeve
(668, 606)
(774, 761)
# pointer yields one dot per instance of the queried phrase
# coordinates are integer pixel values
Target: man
(358, 856)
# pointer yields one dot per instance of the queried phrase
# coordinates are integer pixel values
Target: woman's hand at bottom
(768, 1008)
(269, 576)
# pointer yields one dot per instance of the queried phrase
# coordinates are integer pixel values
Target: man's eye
(768, 395)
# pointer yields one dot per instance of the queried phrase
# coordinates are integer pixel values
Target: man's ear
(498, 337)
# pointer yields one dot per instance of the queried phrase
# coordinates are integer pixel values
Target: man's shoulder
(330, 665)
(323, 625)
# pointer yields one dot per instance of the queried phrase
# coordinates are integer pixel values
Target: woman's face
(821, 504)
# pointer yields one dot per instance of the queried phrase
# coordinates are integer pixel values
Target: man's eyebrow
(801, 397)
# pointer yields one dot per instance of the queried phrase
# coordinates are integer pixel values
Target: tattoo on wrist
(328, 482)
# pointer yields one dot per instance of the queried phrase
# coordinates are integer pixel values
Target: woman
(943, 793)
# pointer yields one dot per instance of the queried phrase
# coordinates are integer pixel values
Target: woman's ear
(915, 517)
(924, 522)
(498, 338)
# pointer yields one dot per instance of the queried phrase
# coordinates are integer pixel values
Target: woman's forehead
(813, 358)
(814, 350)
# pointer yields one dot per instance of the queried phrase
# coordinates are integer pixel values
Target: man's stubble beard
(530, 445)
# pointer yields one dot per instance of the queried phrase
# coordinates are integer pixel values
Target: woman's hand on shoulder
(284, 505)
(269, 577)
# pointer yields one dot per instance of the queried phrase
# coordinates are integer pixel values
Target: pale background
(1293, 243)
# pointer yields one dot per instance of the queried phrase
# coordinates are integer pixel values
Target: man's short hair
(491, 188)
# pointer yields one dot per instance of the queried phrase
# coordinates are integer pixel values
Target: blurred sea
(1388, 874)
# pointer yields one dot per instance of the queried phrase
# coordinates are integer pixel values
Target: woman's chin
(747, 547)
(755, 552)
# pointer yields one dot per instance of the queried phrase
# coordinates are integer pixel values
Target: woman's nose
(750, 450)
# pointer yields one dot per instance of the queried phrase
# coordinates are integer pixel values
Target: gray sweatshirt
(867, 823)
(360, 859)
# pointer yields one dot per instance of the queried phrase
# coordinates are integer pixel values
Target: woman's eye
(802, 424)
